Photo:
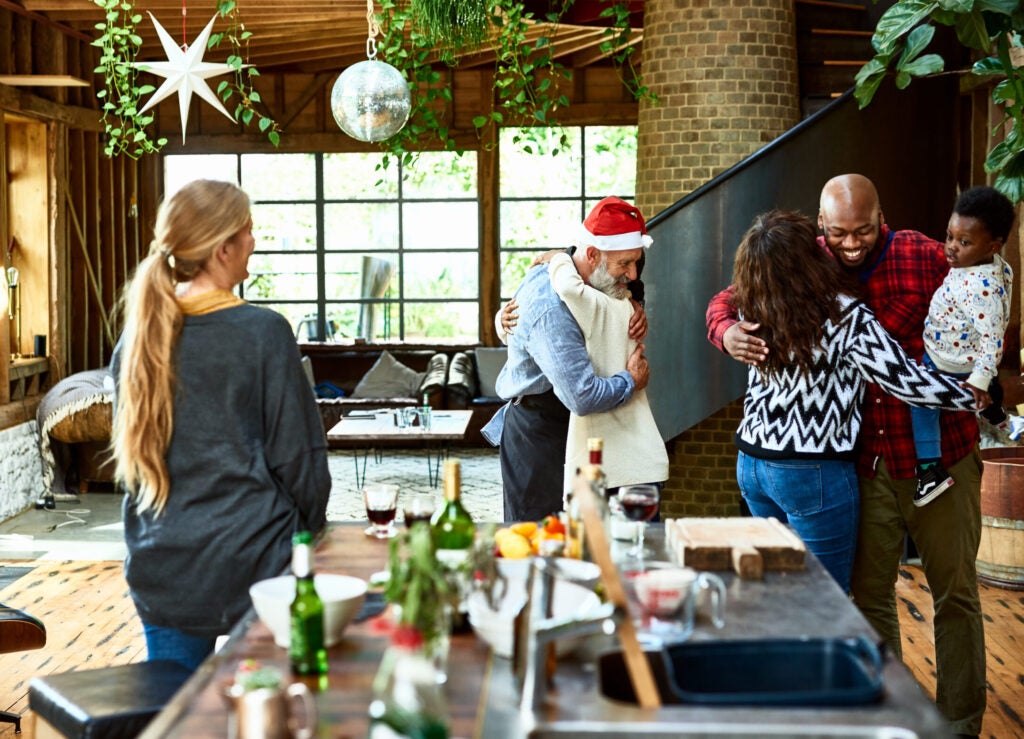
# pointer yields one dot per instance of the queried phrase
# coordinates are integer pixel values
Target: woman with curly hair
(801, 412)
(217, 440)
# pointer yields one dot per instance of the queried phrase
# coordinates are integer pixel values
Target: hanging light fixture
(371, 99)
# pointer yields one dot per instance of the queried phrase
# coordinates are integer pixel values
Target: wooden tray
(749, 546)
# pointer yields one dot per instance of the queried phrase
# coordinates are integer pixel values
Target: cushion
(489, 361)
(92, 423)
(106, 703)
(388, 378)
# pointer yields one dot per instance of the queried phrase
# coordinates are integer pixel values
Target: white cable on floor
(73, 516)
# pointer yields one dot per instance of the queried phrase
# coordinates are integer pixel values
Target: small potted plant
(419, 591)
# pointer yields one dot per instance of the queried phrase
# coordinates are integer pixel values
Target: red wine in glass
(411, 518)
(638, 507)
(381, 516)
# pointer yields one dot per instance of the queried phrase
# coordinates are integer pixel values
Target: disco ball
(371, 101)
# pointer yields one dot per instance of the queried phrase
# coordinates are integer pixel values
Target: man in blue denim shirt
(548, 371)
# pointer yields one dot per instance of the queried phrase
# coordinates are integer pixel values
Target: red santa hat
(615, 225)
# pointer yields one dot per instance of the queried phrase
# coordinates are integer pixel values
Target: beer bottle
(306, 645)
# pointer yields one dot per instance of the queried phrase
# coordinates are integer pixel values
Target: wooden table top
(200, 711)
(379, 425)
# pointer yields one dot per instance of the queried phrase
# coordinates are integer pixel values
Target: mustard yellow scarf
(208, 302)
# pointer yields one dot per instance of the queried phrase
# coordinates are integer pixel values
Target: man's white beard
(601, 280)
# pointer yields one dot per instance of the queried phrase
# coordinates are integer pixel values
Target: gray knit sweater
(248, 468)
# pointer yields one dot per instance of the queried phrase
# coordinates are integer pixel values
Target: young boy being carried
(966, 322)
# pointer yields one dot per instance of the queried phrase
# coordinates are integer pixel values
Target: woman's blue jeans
(166, 643)
(819, 499)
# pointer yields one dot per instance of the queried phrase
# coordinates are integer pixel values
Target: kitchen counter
(482, 698)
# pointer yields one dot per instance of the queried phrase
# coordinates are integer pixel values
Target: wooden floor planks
(1003, 612)
(91, 622)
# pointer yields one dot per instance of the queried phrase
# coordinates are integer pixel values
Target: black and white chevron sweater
(817, 415)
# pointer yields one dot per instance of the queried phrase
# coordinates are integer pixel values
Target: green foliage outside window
(434, 293)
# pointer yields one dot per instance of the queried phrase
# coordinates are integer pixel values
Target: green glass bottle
(306, 646)
(451, 525)
(407, 697)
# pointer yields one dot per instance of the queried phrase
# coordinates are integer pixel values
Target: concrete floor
(91, 529)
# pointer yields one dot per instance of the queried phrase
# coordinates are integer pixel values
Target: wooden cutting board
(749, 546)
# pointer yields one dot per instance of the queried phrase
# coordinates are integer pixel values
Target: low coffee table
(373, 427)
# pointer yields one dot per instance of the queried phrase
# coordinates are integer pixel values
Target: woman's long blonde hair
(189, 227)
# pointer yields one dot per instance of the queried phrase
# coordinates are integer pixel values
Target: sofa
(75, 419)
(451, 380)
(471, 377)
(373, 376)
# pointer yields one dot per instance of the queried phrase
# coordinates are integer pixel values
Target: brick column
(726, 77)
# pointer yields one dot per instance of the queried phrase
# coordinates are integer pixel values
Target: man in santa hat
(548, 372)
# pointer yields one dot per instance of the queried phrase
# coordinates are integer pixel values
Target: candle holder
(14, 308)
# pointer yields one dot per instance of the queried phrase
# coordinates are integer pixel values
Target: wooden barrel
(1001, 552)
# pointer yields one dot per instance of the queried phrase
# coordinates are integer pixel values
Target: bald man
(898, 271)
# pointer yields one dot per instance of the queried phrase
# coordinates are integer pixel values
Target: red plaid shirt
(898, 286)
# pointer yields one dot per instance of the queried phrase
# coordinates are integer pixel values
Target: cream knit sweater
(634, 451)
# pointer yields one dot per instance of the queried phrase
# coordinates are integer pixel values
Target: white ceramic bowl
(495, 627)
(661, 592)
(342, 596)
(580, 572)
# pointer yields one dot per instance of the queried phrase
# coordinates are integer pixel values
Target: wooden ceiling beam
(312, 37)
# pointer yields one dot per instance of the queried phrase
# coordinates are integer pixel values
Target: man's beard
(601, 280)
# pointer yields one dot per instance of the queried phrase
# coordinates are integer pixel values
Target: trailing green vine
(526, 75)
(451, 26)
(242, 83)
(121, 95)
(619, 44)
(408, 49)
(528, 79)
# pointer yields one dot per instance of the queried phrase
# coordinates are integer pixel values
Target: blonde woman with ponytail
(217, 440)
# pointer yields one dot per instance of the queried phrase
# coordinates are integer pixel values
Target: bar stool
(104, 703)
(19, 632)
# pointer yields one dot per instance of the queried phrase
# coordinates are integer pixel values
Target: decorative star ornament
(186, 72)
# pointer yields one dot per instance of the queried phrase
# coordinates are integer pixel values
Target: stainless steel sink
(800, 671)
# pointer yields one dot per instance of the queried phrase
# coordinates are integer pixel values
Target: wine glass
(381, 501)
(639, 503)
(418, 507)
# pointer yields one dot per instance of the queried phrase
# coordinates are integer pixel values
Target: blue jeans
(166, 643)
(819, 499)
(925, 422)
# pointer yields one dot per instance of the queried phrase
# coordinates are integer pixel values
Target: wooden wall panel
(27, 192)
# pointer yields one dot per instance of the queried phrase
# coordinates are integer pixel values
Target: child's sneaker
(931, 483)
(1016, 427)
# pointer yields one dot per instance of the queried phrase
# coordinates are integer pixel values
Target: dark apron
(532, 455)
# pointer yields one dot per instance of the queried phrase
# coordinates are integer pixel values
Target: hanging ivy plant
(242, 83)
(121, 95)
(451, 26)
(407, 48)
(527, 76)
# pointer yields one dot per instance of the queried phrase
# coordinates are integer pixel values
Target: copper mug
(266, 713)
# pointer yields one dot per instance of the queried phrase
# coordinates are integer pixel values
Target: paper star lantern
(186, 72)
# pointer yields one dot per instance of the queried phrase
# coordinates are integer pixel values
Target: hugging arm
(731, 335)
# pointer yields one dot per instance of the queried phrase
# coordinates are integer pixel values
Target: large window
(544, 199)
(344, 250)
